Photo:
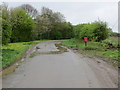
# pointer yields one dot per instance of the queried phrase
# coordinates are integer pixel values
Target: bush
(6, 32)
(55, 35)
(96, 31)
(22, 25)
(100, 31)
(114, 34)
(5, 25)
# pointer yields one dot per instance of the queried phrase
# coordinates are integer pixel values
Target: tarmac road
(62, 70)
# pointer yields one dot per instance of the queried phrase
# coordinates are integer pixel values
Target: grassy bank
(96, 48)
(14, 51)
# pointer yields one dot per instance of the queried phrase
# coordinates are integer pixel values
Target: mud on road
(61, 70)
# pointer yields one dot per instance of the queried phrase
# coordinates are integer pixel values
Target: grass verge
(14, 51)
(95, 49)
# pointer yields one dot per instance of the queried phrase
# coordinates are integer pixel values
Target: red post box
(85, 40)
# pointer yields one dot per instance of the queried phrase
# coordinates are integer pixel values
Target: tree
(101, 31)
(22, 25)
(6, 32)
(67, 30)
(6, 25)
(81, 30)
(58, 17)
(30, 10)
(43, 25)
(86, 31)
(47, 21)
(96, 31)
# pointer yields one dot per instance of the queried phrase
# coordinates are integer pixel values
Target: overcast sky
(81, 12)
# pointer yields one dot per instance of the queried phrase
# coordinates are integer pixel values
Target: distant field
(14, 51)
(96, 48)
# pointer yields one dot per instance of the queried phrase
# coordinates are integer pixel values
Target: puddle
(61, 49)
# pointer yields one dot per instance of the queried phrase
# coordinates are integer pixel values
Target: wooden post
(85, 40)
(85, 43)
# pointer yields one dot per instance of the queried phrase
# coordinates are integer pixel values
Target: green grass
(112, 54)
(114, 40)
(94, 48)
(14, 51)
(81, 45)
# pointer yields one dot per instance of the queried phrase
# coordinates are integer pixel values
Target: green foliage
(6, 31)
(86, 31)
(29, 9)
(61, 31)
(77, 30)
(96, 31)
(114, 41)
(71, 43)
(67, 30)
(14, 51)
(89, 48)
(22, 26)
(47, 25)
(112, 54)
(7, 55)
(6, 25)
(54, 35)
(114, 34)
(18, 26)
(52, 25)
(101, 31)
(93, 48)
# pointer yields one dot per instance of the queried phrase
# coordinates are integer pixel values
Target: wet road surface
(65, 70)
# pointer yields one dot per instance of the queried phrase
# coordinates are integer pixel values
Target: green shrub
(22, 25)
(6, 31)
(96, 31)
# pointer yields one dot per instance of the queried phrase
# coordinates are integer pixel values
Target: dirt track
(62, 70)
